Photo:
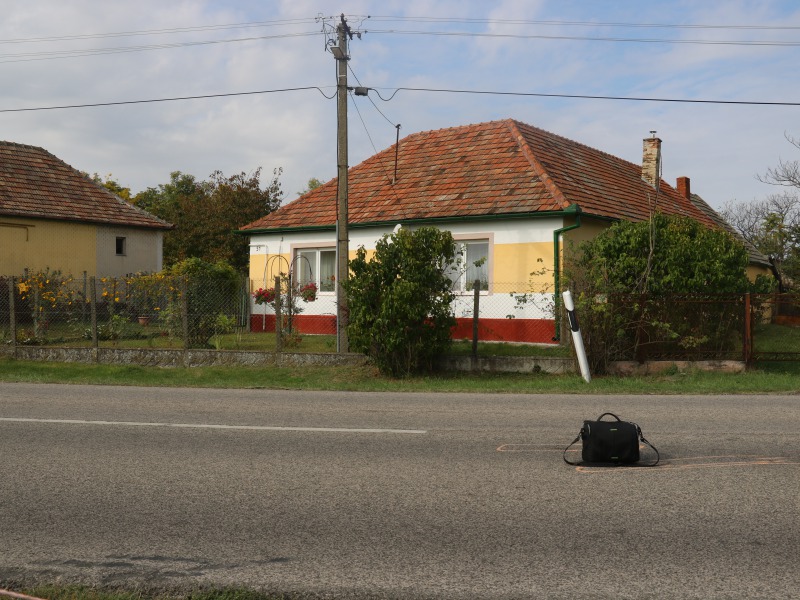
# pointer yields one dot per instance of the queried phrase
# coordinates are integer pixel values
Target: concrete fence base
(179, 358)
(208, 358)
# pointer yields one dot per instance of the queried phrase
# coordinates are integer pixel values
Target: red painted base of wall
(532, 331)
(305, 324)
(538, 331)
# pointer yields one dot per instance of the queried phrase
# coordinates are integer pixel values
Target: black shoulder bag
(610, 442)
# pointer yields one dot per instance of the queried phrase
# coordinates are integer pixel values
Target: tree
(206, 214)
(212, 297)
(111, 185)
(684, 257)
(772, 225)
(312, 184)
(629, 279)
(400, 300)
(236, 201)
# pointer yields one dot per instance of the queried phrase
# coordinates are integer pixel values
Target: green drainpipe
(572, 209)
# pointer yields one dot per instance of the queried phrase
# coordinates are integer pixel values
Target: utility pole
(342, 236)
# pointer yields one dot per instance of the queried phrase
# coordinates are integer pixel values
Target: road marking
(212, 426)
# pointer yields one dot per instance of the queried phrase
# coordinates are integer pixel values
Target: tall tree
(206, 214)
(312, 184)
(111, 185)
(627, 310)
(773, 224)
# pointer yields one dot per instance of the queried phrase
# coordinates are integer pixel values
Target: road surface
(358, 495)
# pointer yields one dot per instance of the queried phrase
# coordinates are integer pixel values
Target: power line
(55, 54)
(370, 99)
(585, 38)
(411, 89)
(578, 23)
(585, 97)
(155, 100)
(93, 36)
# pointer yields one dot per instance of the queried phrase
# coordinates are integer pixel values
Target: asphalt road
(396, 495)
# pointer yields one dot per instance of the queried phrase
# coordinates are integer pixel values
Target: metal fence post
(278, 316)
(93, 314)
(12, 316)
(747, 342)
(185, 312)
(476, 309)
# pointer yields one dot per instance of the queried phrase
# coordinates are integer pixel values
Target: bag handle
(600, 418)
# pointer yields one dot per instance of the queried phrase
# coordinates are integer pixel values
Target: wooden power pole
(342, 235)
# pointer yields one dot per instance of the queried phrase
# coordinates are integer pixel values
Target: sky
(429, 64)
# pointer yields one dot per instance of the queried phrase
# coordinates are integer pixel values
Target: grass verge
(367, 379)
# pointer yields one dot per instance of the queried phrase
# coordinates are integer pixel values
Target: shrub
(400, 300)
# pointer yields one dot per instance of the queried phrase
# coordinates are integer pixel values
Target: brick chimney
(651, 159)
(684, 189)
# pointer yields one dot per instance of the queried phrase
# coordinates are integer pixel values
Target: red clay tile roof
(36, 184)
(497, 168)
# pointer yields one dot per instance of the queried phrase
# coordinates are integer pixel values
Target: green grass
(776, 338)
(367, 379)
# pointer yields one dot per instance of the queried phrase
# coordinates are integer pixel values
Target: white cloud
(720, 147)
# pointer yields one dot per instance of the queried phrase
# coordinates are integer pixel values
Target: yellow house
(511, 194)
(54, 217)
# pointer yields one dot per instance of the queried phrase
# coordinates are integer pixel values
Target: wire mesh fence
(507, 312)
(136, 311)
(674, 327)
(156, 311)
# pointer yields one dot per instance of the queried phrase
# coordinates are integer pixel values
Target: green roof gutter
(572, 209)
(410, 222)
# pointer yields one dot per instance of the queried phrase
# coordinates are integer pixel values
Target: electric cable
(57, 54)
(94, 36)
(411, 89)
(479, 21)
(370, 99)
(154, 100)
(754, 43)
(584, 97)
(375, 150)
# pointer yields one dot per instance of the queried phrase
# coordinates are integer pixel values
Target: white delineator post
(577, 339)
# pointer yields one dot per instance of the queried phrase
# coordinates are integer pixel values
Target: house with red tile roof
(511, 194)
(55, 217)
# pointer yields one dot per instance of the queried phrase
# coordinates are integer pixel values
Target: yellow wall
(268, 266)
(38, 245)
(522, 263)
(264, 268)
(754, 271)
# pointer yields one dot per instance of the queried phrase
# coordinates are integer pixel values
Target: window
(317, 265)
(473, 258)
(120, 246)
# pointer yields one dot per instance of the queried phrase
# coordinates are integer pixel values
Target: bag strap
(643, 440)
(564, 456)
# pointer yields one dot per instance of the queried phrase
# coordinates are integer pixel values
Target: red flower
(309, 292)
(263, 296)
